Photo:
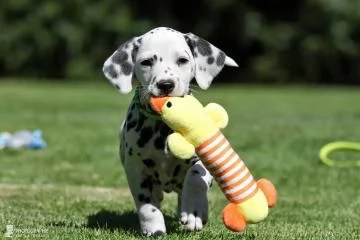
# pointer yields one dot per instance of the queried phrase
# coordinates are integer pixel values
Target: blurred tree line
(274, 41)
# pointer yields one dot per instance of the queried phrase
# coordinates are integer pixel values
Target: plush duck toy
(197, 130)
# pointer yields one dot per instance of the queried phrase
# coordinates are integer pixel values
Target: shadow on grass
(114, 221)
(127, 221)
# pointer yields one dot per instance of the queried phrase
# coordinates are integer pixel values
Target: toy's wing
(179, 146)
(218, 114)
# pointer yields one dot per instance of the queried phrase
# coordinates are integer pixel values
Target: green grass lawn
(76, 188)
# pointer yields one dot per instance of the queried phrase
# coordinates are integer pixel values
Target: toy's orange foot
(269, 190)
(233, 219)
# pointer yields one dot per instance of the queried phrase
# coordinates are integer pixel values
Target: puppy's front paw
(151, 221)
(153, 234)
(194, 210)
(194, 220)
(194, 202)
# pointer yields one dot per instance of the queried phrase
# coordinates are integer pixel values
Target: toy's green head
(182, 114)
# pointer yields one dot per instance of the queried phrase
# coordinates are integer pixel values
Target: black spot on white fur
(157, 178)
(176, 170)
(134, 52)
(130, 125)
(127, 68)
(119, 57)
(153, 80)
(210, 60)
(164, 131)
(145, 135)
(204, 47)
(147, 183)
(110, 69)
(159, 143)
(195, 172)
(129, 117)
(140, 122)
(220, 60)
(149, 163)
(116, 86)
(141, 197)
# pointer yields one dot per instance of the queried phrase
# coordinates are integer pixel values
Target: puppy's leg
(194, 201)
(147, 196)
(151, 219)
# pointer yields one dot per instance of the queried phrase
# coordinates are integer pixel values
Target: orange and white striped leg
(229, 170)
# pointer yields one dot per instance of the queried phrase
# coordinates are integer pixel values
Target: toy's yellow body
(197, 130)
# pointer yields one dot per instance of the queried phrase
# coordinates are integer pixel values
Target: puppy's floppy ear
(118, 68)
(209, 59)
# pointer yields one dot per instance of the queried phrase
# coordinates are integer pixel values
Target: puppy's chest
(145, 136)
(143, 142)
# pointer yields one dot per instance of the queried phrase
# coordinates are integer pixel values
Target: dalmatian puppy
(164, 61)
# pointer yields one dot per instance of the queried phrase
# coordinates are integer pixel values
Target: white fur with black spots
(164, 61)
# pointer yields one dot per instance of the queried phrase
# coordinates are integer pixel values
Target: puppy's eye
(147, 62)
(169, 104)
(182, 61)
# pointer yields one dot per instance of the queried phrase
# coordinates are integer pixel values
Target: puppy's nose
(166, 86)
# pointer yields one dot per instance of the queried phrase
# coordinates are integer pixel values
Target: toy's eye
(147, 62)
(169, 104)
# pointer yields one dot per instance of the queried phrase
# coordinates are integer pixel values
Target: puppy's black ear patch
(204, 47)
(110, 70)
(119, 57)
(119, 67)
(205, 55)
(220, 59)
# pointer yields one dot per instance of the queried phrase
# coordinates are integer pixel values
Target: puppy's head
(164, 62)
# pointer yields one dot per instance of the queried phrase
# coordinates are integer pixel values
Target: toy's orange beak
(158, 102)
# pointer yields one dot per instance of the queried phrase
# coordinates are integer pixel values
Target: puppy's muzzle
(165, 86)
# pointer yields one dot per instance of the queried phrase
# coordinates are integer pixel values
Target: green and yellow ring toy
(339, 146)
